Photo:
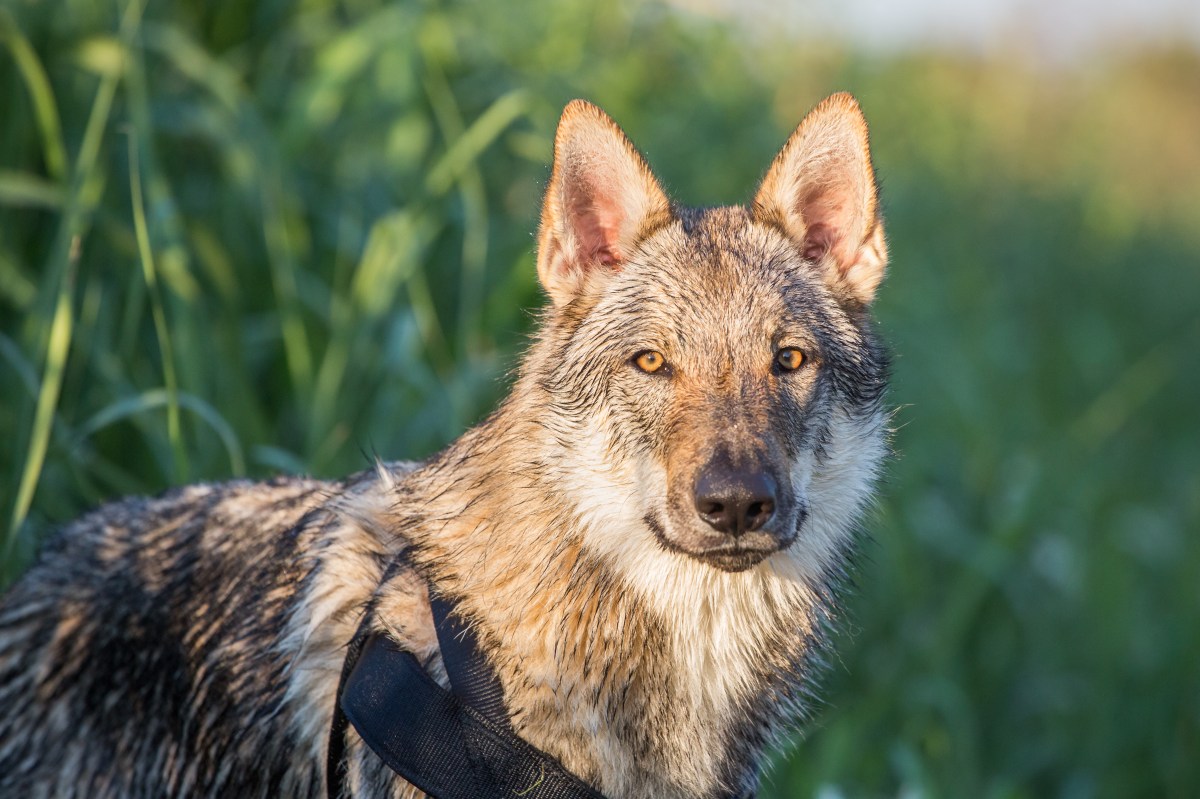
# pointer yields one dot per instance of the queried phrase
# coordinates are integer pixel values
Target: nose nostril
(710, 508)
(758, 513)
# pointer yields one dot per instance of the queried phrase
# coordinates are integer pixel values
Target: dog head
(714, 368)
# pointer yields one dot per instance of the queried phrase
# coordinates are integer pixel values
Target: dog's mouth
(725, 553)
(733, 560)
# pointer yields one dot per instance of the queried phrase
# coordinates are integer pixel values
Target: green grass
(243, 238)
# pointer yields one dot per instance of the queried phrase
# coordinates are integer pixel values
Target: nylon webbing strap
(473, 681)
(456, 745)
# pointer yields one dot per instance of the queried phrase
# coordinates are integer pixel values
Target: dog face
(716, 367)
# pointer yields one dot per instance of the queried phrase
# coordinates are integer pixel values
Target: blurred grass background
(244, 238)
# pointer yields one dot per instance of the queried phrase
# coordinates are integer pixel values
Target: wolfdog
(647, 538)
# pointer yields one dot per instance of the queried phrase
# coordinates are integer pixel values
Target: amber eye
(649, 361)
(789, 359)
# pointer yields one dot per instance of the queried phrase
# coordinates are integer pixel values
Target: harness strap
(336, 764)
(456, 744)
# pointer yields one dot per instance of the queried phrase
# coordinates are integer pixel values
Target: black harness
(456, 744)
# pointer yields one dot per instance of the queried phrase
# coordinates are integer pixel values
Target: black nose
(732, 500)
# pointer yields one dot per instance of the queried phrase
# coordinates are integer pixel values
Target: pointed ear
(600, 201)
(821, 190)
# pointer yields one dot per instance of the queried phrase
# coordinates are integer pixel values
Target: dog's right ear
(600, 201)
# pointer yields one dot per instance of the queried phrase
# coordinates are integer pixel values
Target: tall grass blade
(33, 191)
(158, 398)
(161, 328)
(47, 401)
(40, 92)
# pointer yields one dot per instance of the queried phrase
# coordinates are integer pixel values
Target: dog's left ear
(821, 191)
(600, 201)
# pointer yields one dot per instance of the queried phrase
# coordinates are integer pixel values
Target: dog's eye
(789, 359)
(649, 361)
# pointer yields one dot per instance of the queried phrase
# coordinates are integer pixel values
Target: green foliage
(238, 238)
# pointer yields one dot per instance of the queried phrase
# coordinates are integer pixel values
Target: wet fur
(191, 644)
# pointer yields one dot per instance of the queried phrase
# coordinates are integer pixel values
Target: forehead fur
(714, 268)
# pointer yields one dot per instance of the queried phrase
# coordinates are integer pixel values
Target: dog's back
(143, 649)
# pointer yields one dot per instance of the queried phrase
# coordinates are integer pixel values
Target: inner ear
(830, 224)
(819, 241)
(596, 229)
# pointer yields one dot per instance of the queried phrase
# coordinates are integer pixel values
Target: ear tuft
(820, 190)
(601, 199)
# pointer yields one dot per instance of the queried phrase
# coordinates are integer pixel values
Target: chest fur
(658, 698)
